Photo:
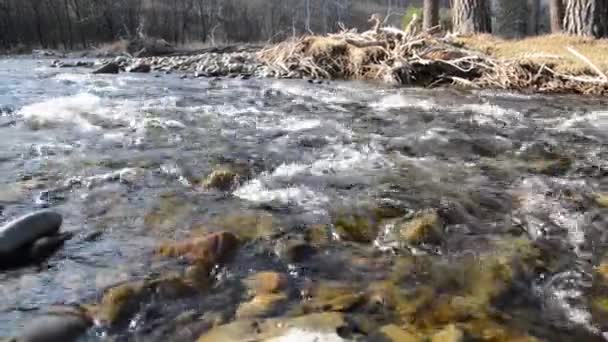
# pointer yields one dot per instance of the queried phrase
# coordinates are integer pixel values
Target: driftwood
(419, 58)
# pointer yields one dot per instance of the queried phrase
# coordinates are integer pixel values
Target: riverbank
(554, 64)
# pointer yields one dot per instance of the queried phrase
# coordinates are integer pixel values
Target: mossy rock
(223, 179)
(425, 227)
(120, 303)
(356, 228)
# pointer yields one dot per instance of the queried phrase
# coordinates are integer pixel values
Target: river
(121, 157)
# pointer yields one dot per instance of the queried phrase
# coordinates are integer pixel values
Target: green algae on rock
(356, 228)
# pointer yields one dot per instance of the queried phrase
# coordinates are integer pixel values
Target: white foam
(289, 170)
(295, 124)
(402, 101)
(68, 109)
(300, 196)
(597, 119)
(300, 335)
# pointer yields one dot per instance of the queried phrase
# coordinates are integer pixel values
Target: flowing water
(121, 157)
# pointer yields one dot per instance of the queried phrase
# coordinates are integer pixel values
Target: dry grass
(549, 49)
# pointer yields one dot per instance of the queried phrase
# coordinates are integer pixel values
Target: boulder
(108, 68)
(64, 328)
(27, 229)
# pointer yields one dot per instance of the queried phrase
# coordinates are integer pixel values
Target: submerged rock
(221, 179)
(215, 248)
(121, 302)
(267, 282)
(27, 229)
(248, 226)
(328, 296)
(356, 228)
(425, 227)
(64, 328)
(261, 305)
(108, 68)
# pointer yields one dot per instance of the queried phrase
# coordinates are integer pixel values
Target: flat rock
(27, 229)
(64, 328)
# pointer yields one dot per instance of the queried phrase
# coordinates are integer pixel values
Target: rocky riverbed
(212, 64)
(232, 209)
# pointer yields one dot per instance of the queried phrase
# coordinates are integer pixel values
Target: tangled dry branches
(408, 57)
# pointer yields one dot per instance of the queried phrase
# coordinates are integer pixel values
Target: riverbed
(124, 157)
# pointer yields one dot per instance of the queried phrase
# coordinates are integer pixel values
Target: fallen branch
(588, 62)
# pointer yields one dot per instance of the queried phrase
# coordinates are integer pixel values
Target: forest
(81, 24)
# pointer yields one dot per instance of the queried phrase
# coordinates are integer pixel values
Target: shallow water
(121, 158)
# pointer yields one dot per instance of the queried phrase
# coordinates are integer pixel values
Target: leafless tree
(586, 17)
(430, 14)
(471, 16)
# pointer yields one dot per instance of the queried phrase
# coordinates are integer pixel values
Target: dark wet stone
(44, 247)
(27, 229)
(299, 251)
(109, 68)
(64, 328)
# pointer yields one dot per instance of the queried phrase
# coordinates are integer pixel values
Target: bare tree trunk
(533, 16)
(585, 18)
(430, 14)
(471, 16)
(556, 8)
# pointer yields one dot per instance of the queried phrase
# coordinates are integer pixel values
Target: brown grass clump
(550, 64)
(548, 49)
